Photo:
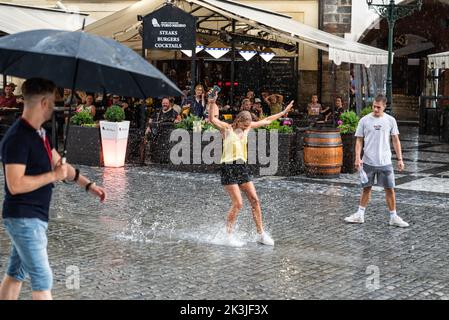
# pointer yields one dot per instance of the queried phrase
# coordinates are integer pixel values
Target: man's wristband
(89, 185)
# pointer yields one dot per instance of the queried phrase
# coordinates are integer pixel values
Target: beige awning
(16, 18)
(438, 60)
(124, 27)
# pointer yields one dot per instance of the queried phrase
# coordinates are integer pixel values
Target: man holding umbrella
(31, 166)
(84, 62)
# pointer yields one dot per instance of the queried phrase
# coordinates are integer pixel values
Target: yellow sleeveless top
(234, 148)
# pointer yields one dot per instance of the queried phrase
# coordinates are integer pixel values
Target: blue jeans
(29, 252)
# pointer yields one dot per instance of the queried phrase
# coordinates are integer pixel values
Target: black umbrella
(82, 61)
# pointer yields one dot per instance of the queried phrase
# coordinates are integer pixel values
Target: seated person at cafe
(196, 104)
(248, 106)
(116, 101)
(265, 105)
(165, 114)
(315, 110)
(257, 108)
(88, 106)
(69, 99)
(339, 109)
(8, 99)
(275, 101)
(175, 106)
(250, 95)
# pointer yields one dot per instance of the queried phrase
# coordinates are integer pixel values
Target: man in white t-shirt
(375, 131)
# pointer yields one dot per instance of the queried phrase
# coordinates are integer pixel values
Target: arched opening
(416, 36)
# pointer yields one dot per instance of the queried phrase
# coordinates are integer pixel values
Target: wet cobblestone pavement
(160, 236)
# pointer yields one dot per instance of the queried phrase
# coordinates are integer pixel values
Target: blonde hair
(199, 86)
(246, 100)
(243, 116)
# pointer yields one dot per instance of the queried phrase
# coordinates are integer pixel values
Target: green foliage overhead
(114, 114)
(348, 122)
(82, 118)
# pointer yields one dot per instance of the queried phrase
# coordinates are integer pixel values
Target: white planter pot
(114, 140)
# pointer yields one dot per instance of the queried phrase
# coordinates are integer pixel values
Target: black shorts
(235, 173)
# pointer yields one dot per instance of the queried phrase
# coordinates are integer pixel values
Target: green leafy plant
(276, 125)
(348, 122)
(114, 114)
(91, 125)
(286, 129)
(187, 123)
(82, 118)
(365, 111)
(207, 126)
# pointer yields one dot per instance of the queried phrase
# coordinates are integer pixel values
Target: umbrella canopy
(84, 62)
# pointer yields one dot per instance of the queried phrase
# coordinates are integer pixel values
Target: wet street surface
(160, 235)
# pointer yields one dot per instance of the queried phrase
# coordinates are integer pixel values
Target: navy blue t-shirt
(22, 144)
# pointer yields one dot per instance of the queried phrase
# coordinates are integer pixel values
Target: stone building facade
(334, 17)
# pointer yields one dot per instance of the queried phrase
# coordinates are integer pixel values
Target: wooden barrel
(323, 152)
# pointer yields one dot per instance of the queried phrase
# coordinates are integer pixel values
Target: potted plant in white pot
(114, 137)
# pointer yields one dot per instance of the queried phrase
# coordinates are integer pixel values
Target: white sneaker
(398, 222)
(265, 239)
(355, 218)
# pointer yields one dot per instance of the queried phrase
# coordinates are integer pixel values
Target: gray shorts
(384, 176)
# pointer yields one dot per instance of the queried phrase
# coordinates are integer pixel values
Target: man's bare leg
(390, 196)
(42, 295)
(365, 197)
(10, 288)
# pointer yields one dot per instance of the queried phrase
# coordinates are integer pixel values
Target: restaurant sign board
(169, 28)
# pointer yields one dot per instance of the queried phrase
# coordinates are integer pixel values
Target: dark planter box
(160, 145)
(445, 126)
(134, 150)
(289, 153)
(348, 140)
(289, 163)
(84, 146)
(432, 125)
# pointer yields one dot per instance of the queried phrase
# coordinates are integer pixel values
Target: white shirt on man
(377, 132)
